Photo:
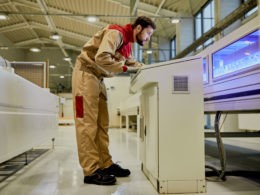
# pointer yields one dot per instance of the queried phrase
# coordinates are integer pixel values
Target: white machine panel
(28, 115)
(172, 144)
(232, 70)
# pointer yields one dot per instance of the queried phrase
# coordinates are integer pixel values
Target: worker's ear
(139, 28)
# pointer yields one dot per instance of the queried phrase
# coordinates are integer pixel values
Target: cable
(221, 149)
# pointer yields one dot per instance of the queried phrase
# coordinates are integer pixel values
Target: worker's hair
(144, 22)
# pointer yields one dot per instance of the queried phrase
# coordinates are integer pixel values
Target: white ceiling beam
(14, 27)
(60, 31)
(147, 8)
(133, 7)
(5, 3)
(33, 5)
(28, 42)
(36, 25)
(24, 19)
(162, 12)
(44, 40)
(160, 7)
(44, 9)
(29, 4)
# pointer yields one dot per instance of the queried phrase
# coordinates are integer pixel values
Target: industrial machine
(232, 70)
(171, 126)
(28, 113)
(231, 74)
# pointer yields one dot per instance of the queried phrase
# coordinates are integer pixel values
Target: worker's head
(143, 28)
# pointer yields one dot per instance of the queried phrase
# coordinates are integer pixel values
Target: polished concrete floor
(58, 172)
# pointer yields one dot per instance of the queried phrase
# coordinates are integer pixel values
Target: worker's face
(144, 35)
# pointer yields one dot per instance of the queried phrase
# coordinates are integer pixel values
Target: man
(107, 53)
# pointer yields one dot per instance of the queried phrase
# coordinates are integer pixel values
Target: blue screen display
(205, 70)
(240, 55)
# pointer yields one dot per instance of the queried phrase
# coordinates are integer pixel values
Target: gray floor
(58, 172)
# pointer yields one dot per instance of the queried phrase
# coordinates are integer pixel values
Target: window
(252, 11)
(198, 26)
(208, 17)
(204, 21)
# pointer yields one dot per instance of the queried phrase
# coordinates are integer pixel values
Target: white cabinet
(171, 132)
(149, 107)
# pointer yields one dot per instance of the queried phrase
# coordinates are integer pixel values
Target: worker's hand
(132, 69)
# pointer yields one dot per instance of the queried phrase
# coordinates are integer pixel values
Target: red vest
(127, 33)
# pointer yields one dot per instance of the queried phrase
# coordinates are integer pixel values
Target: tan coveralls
(99, 58)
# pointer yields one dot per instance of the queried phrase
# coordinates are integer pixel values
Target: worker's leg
(86, 102)
(103, 124)
(103, 142)
(85, 90)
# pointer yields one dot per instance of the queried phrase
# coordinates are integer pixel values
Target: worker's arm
(131, 61)
(106, 55)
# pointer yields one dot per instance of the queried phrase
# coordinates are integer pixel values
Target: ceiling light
(55, 36)
(149, 51)
(62, 77)
(52, 66)
(3, 16)
(67, 59)
(3, 47)
(35, 49)
(92, 18)
(175, 21)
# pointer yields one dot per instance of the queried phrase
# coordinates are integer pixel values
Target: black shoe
(117, 171)
(100, 178)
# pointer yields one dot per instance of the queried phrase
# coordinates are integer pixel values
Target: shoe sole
(101, 183)
(122, 175)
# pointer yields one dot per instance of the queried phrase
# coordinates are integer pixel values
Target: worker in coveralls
(107, 53)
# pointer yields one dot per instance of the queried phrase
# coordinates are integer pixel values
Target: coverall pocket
(79, 106)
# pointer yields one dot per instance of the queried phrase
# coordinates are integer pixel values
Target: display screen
(240, 55)
(205, 70)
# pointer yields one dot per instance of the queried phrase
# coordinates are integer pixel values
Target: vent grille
(180, 84)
